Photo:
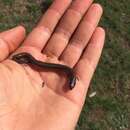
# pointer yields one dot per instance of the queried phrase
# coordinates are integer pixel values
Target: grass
(110, 108)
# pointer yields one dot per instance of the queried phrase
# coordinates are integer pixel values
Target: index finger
(42, 32)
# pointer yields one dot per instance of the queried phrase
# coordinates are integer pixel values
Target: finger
(41, 33)
(66, 27)
(10, 40)
(88, 62)
(82, 36)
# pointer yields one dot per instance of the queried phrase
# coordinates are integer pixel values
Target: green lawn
(110, 108)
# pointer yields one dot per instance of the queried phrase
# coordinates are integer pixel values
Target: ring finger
(82, 36)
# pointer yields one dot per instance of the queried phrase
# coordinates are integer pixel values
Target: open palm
(35, 99)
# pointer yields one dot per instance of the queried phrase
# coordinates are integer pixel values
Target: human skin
(77, 41)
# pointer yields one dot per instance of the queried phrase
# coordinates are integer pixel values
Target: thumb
(10, 40)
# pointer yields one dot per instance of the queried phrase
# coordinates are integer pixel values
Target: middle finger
(66, 27)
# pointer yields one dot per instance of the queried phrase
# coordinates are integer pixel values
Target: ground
(109, 109)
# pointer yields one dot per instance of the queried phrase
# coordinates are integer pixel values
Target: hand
(25, 102)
